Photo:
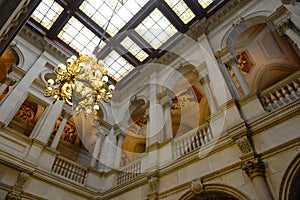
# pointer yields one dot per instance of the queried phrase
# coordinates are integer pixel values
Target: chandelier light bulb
(111, 87)
(82, 81)
(105, 79)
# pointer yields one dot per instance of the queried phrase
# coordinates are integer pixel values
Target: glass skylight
(47, 12)
(181, 9)
(134, 49)
(79, 37)
(117, 66)
(205, 3)
(100, 12)
(156, 29)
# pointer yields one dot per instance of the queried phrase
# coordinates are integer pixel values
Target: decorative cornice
(14, 22)
(274, 118)
(44, 43)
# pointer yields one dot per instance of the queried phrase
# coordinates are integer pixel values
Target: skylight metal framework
(149, 25)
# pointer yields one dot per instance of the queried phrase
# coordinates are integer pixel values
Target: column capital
(288, 1)
(204, 79)
(65, 114)
(283, 26)
(9, 81)
(121, 135)
(254, 168)
(166, 98)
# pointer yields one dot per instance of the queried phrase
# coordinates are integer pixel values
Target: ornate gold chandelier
(82, 82)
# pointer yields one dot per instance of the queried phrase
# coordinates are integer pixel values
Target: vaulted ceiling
(124, 33)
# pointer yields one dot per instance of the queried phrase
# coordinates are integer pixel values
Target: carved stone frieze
(16, 190)
(244, 145)
(14, 194)
(197, 186)
(153, 183)
(21, 180)
(14, 22)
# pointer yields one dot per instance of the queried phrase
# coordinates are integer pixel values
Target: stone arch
(188, 94)
(290, 184)
(216, 191)
(270, 74)
(18, 55)
(134, 142)
(268, 57)
(242, 24)
(7, 60)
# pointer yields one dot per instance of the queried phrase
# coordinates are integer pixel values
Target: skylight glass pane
(117, 66)
(181, 9)
(205, 3)
(47, 12)
(79, 37)
(100, 11)
(134, 49)
(153, 27)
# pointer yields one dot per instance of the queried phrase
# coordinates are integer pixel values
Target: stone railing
(129, 172)
(69, 170)
(282, 93)
(192, 140)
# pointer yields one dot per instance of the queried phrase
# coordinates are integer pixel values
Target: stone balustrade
(69, 170)
(192, 140)
(282, 93)
(129, 172)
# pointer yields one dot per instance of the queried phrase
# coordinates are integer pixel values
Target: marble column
(5, 83)
(166, 102)
(240, 77)
(109, 151)
(60, 130)
(204, 80)
(120, 138)
(228, 79)
(48, 123)
(103, 153)
(256, 171)
(293, 6)
(18, 94)
(96, 151)
(287, 28)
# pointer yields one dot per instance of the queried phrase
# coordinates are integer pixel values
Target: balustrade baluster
(293, 94)
(66, 166)
(297, 88)
(274, 100)
(197, 139)
(285, 94)
(269, 103)
(202, 137)
(69, 171)
(281, 101)
(55, 166)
